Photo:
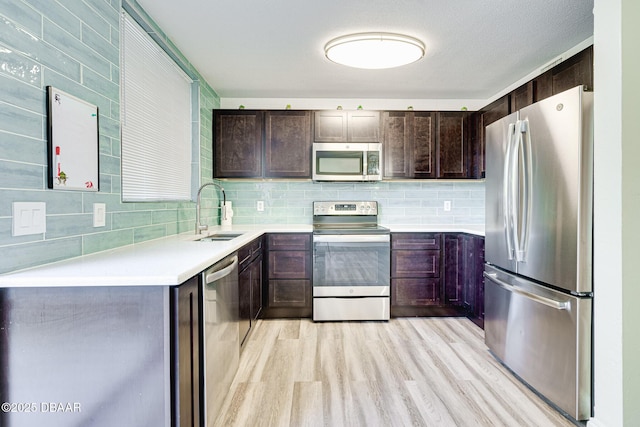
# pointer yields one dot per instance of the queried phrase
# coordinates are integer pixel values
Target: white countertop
(478, 230)
(168, 261)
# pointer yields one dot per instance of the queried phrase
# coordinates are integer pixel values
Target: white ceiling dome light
(374, 50)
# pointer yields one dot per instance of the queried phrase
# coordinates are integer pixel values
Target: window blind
(155, 109)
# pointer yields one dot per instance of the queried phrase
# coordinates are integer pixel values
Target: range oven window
(345, 263)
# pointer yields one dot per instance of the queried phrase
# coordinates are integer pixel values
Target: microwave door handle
(365, 166)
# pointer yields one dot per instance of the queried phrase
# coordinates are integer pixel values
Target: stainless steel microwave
(346, 161)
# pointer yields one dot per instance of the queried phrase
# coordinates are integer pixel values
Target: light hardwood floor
(407, 372)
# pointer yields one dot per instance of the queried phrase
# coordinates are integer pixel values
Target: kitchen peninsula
(96, 332)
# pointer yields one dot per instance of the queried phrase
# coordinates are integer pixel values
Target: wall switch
(99, 214)
(29, 218)
(447, 205)
(260, 206)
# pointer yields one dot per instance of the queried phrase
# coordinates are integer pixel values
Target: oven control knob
(351, 290)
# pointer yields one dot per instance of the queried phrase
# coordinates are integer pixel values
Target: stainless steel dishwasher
(221, 350)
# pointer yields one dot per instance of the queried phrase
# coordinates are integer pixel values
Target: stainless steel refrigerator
(538, 247)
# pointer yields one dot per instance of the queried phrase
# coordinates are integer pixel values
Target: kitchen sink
(219, 237)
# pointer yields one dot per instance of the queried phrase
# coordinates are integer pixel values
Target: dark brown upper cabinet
(576, 70)
(523, 96)
(262, 144)
(409, 144)
(346, 126)
(287, 144)
(493, 112)
(452, 145)
(237, 142)
(422, 144)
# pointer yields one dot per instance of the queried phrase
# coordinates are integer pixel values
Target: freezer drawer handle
(558, 305)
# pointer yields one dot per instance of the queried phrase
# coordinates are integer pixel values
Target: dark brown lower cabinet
(288, 284)
(437, 274)
(185, 331)
(416, 275)
(250, 284)
(464, 283)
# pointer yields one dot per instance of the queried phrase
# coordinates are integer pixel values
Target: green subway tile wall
(403, 202)
(75, 46)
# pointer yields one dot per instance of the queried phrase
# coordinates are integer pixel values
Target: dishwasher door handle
(219, 274)
(558, 305)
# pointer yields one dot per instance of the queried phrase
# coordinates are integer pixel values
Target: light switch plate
(29, 218)
(99, 214)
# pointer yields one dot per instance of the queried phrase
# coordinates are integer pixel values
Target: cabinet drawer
(289, 293)
(415, 264)
(415, 292)
(289, 265)
(413, 241)
(289, 242)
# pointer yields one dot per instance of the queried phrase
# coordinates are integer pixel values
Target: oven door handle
(351, 238)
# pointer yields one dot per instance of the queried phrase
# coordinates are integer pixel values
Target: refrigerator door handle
(558, 305)
(507, 191)
(524, 165)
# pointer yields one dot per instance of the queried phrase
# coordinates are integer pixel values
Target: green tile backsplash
(74, 45)
(403, 202)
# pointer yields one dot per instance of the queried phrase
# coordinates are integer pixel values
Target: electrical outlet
(99, 214)
(447, 205)
(260, 206)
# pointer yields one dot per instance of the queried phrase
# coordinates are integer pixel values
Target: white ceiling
(274, 48)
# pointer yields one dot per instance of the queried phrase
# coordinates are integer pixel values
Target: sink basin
(219, 237)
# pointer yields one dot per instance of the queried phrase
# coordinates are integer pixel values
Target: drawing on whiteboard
(72, 131)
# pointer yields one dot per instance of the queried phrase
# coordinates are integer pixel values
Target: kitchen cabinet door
(185, 301)
(454, 270)
(476, 278)
(416, 286)
(287, 144)
(409, 144)
(577, 70)
(397, 144)
(363, 126)
(452, 145)
(330, 126)
(250, 282)
(424, 144)
(237, 143)
(522, 96)
(256, 289)
(574, 71)
(493, 112)
(288, 282)
(346, 126)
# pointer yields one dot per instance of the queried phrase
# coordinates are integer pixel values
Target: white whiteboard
(72, 142)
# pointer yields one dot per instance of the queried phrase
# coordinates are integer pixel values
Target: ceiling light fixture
(374, 50)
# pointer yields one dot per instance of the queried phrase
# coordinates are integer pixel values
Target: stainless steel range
(351, 262)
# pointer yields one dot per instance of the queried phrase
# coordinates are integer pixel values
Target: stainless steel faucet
(200, 227)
